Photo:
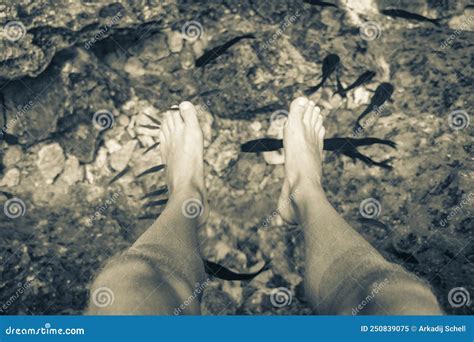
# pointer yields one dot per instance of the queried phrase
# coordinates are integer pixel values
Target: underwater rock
(12, 156)
(50, 161)
(73, 172)
(11, 178)
(119, 159)
(43, 29)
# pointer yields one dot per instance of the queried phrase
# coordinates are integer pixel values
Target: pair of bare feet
(182, 152)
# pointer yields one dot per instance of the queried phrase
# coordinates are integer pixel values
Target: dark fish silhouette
(149, 216)
(364, 78)
(156, 203)
(9, 138)
(383, 93)
(345, 146)
(212, 54)
(150, 126)
(320, 3)
(158, 192)
(151, 147)
(398, 13)
(224, 273)
(119, 175)
(374, 222)
(203, 94)
(6, 194)
(155, 120)
(330, 64)
(152, 170)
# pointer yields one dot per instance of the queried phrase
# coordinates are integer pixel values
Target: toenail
(312, 103)
(186, 105)
(174, 106)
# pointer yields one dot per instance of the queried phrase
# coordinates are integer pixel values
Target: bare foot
(303, 141)
(181, 143)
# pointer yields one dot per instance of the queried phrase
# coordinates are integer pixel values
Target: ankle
(305, 196)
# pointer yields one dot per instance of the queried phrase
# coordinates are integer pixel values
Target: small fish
(262, 145)
(398, 13)
(224, 273)
(345, 146)
(160, 191)
(151, 147)
(364, 78)
(212, 54)
(330, 64)
(383, 93)
(156, 203)
(374, 222)
(320, 3)
(155, 120)
(149, 216)
(6, 194)
(203, 94)
(150, 126)
(119, 175)
(9, 138)
(152, 170)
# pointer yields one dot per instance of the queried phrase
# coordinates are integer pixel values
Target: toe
(297, 108)
(322, 132)
(319, 123)
(188, 113)
(169, 120)
(308, 114)
(176, 117)
(165, 127)
(314, 118)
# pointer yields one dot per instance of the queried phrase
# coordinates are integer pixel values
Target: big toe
(297, 108)
(188, 113)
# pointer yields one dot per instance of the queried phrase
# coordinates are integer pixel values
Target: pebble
(73, 171)
(134, 67)
(12, 156)
(256, 126)
(119, 159)
(146, 140)
(175, 41)
(112, 145)
(123, 120)
(11, 178)
(50, 162)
